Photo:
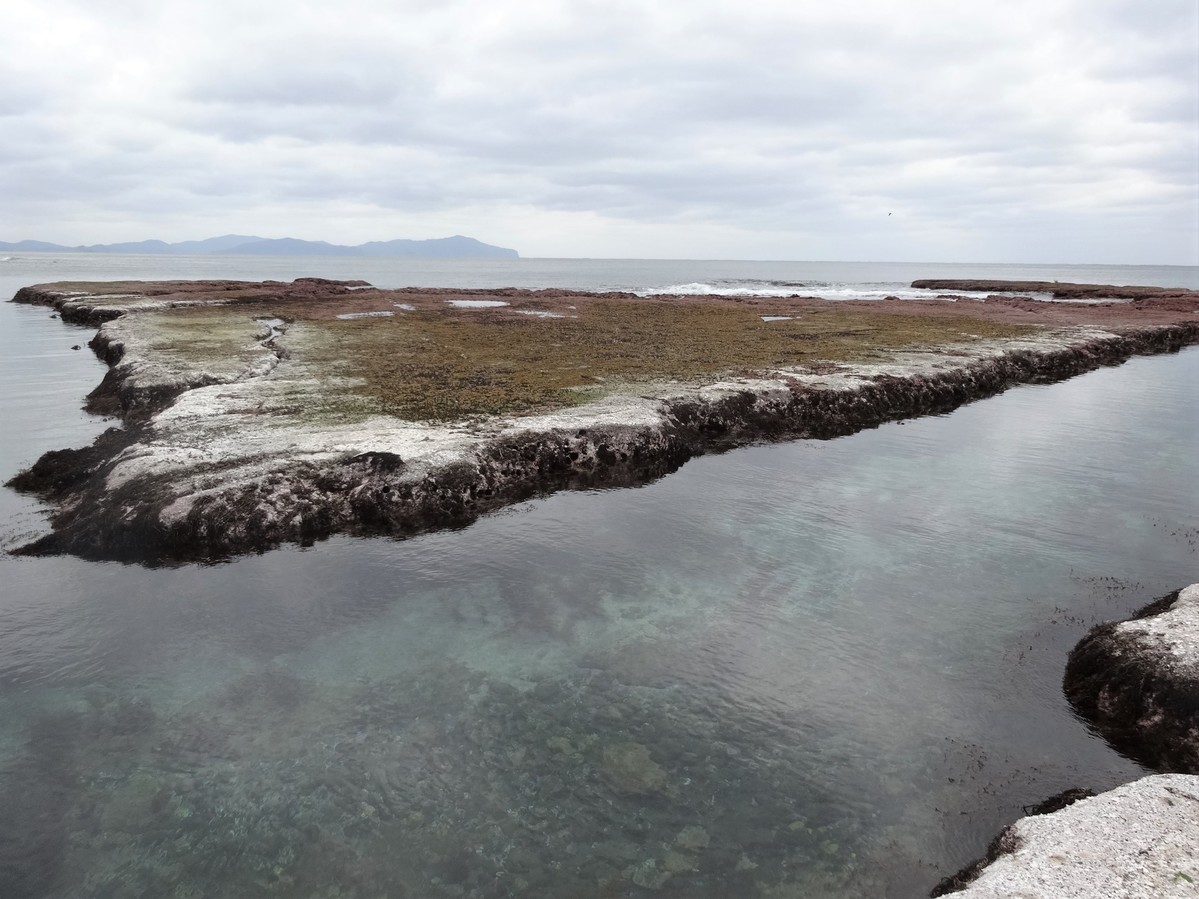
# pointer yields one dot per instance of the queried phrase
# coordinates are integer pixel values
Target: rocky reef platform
(255, 414)
(1062, 291)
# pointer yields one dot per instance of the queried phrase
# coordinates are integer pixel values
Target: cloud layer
(1046, 131)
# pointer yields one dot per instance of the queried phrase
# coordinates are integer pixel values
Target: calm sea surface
(809, 669)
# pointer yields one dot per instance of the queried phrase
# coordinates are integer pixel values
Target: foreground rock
(1137, 682)
(258, 414)
(1137, 841)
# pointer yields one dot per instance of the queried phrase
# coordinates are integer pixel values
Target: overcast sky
(1019, 131)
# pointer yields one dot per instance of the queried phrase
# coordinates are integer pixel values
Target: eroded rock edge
(142, 521)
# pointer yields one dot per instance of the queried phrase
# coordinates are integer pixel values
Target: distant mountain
(455, 247)
(289, 246)
(144, 247)
(444, 247)
(31, 246)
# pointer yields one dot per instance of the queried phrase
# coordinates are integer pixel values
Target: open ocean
(827, 279)
(806, 669)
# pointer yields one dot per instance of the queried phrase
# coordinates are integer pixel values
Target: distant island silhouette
(455, 247)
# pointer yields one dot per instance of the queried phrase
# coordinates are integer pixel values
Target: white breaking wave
(829, 292)
(824, 291)
(881, 293)
(700, 289)
(476, 304)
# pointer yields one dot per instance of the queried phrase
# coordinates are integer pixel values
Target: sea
(797, 669)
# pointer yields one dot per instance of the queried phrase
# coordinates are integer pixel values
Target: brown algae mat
(434, 361)
(440, 365)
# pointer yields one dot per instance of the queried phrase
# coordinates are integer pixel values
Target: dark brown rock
(1140, 693)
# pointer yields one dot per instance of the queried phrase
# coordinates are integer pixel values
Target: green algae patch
(197, 337)
(434, 365)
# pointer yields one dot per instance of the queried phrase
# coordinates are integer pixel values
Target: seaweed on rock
(1137, 693)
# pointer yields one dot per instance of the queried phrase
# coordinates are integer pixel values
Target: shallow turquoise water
(805, 669)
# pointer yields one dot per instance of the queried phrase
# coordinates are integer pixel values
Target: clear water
(819, 669)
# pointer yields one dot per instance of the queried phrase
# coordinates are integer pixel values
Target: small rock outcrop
(1060, 290)
(1137, 682)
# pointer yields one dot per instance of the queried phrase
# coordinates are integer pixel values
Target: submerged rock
(629, 768)
(678, 862)
(647, 875)
(440, 785)
(692, 838)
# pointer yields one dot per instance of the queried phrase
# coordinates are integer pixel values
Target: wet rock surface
(1058, 289)
(1137, 682)
(225, 456)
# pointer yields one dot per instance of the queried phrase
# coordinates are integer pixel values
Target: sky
(1055, 131)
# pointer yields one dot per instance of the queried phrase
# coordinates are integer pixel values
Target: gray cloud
(616, 128)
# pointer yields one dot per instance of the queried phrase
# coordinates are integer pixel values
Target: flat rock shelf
(260, 413)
